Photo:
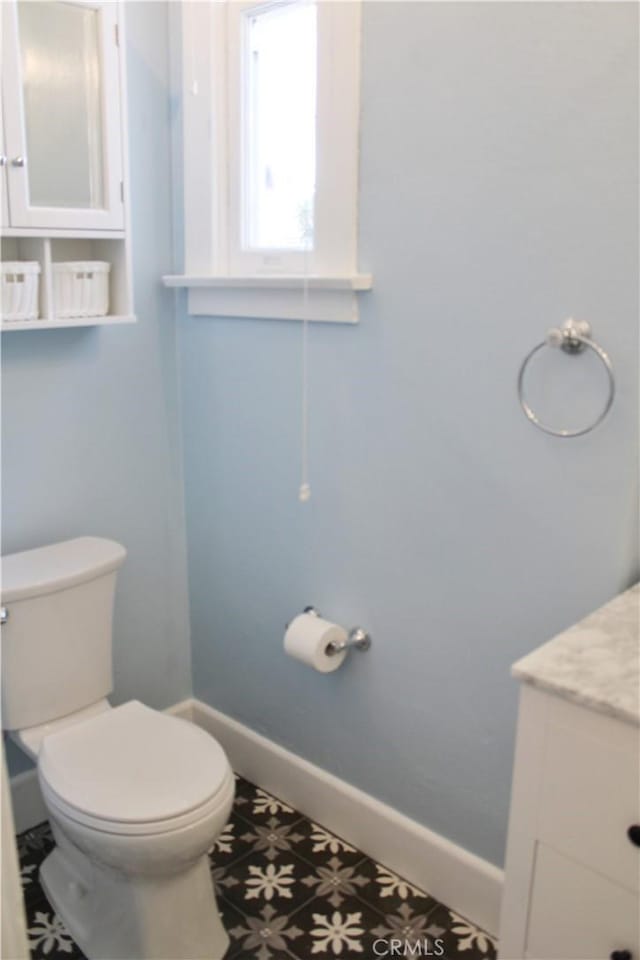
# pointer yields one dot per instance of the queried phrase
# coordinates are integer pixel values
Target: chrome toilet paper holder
(358, 638)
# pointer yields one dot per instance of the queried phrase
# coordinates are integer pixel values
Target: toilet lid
(133, 765)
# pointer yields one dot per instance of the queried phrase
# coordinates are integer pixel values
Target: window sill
(328, 299)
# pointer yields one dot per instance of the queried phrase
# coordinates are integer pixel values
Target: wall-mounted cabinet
(63, 156)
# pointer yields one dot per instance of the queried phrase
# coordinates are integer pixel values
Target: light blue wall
(498, 195)
(90, 421)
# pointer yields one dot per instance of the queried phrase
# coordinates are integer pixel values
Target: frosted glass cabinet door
(62, 114)
(4, 201)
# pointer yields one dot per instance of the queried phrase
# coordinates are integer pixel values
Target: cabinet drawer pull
(621, 955)
(634, 834)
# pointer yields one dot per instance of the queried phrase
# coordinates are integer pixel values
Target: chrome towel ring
(573, 337)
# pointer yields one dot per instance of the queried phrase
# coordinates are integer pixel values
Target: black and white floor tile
(287, 890)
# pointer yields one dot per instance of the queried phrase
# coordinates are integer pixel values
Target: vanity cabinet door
(589, 797)
(61, 95)
(579, 914)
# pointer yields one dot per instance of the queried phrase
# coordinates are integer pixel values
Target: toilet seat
(149, 828)
(133, 770)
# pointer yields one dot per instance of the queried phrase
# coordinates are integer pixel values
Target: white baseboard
(183, 709)
(463, 881)
(26, 800)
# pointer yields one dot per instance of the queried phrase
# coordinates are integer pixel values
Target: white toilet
(135, 797)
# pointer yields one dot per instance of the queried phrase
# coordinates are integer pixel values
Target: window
(270, 135)
(277, 127)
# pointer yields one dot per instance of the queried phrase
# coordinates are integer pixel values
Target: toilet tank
(56, 640)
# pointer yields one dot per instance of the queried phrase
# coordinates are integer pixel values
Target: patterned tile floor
(287, 888)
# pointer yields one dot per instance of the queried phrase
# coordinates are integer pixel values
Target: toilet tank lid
(33, 573)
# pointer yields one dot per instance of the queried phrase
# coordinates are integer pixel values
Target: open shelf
(48, 250)
(13, 325)
(62, 233)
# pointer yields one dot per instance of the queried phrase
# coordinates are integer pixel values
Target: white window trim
(219, 282)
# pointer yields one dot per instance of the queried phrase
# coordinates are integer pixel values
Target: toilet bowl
(136, 798)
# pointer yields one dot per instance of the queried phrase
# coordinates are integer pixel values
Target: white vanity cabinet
(572, 876)
(571, 879)
(64, 148)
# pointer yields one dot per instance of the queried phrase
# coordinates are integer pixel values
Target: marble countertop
(596, 662)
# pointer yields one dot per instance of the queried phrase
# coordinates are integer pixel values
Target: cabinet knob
(18, 162)
(621, 955)
(634, 834)
(3, 160)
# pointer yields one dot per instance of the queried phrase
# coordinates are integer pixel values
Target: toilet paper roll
(307, 639)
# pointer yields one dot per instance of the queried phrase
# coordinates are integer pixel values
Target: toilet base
(116, 917)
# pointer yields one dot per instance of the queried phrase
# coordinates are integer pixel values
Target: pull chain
(304, 493)
(192, 56)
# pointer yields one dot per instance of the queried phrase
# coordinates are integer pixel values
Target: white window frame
(222, 278)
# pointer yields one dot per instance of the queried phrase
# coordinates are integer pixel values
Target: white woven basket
(20, 281)
(81, 289)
